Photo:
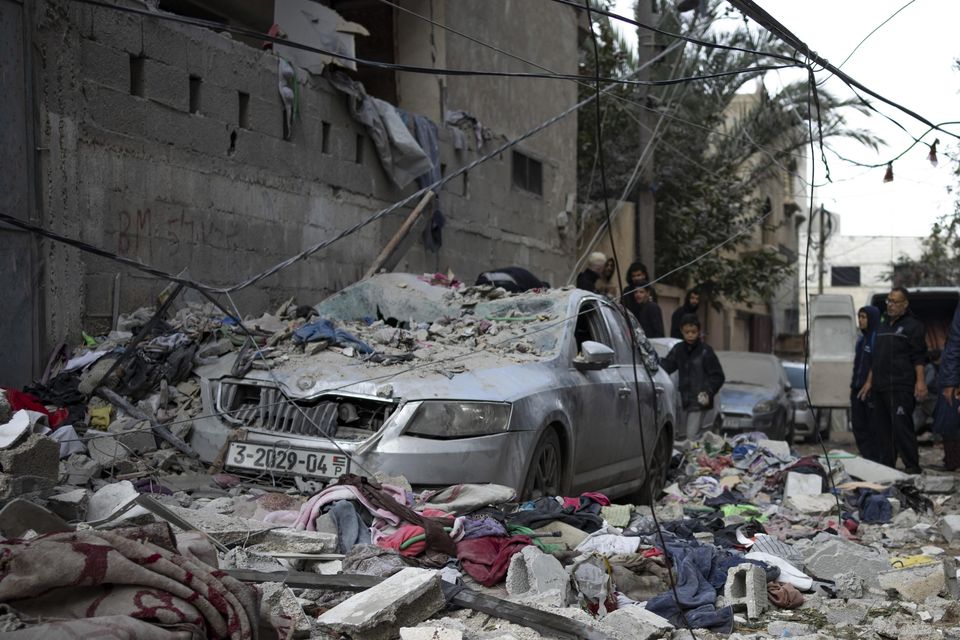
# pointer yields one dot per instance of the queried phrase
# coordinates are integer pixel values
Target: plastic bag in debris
(593, 580)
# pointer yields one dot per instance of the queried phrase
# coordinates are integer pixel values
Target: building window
(527, 173)
(845, 276)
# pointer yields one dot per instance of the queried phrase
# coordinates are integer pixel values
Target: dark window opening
(194, 94)
(324, 137)
(233, 143)
(136, 76)
(527, 173)
(243, 109)
(590, 326)
(845, 276)
(380, 45)
(358, 157)
(443, 170)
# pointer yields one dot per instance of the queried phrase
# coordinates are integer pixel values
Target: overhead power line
(752, 10)
(405, 68)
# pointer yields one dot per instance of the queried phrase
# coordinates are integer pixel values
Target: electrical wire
(634, 347)
(705, 43)
(771, 24)
(404, 68)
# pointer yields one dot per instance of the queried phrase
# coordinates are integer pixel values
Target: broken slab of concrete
(402, 600)
(20, 516)
(867, 470)
(935, 483)
(634, 622)
(79, 469)
(71, 505)
(917, 583)
(136, 435)
(802, 484)
(226, 530)
(835, 556)
(107, 452)
(778, 447)
(430, 633)
(950, 527)
(36, 456)
(285, 611)
(297, 541)
(534, 572)
(814, 505)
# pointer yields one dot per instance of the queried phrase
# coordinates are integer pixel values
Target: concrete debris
(950, 527)
(37, 456)
(634, 622)
(534, 572)
(848, 585)
(819, 504)
(71, 506)
(935, 483)
(746, 590)
(285, 610)
(836, 556)
(430, 633)
(781, 629)
(404, 599)
(916, 583)
(802, 484)
(869, 471)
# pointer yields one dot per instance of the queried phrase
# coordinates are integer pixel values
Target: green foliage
(707, 167)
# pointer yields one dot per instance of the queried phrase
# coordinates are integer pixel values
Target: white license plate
(287, 460)
(738, 423)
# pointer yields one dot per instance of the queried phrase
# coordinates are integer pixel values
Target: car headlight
(802, 405)
(767, 406)
(445, 420)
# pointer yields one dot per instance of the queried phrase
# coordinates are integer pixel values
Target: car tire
(545, 473)
(656, 478)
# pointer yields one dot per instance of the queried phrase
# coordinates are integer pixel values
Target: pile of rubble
(746, 540)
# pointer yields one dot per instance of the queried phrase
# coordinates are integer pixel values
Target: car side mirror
(594, 356)
(787, 388)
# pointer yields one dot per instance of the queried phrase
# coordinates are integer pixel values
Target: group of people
(893, 376)
(638, 295)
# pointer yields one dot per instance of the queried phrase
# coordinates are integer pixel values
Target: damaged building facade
(169, 144)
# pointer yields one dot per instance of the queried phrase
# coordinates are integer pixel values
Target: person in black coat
(636, 273)
(701, 377)
(587, 280)
(868, 318)
(513, 279)
(897, 381)
(690, 305)
(646, 311)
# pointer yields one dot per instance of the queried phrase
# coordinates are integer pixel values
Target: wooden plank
(398, 237)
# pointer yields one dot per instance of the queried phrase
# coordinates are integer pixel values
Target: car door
(598, 405)
(630, 420)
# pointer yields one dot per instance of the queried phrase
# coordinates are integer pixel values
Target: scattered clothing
(486, 560)
(325, 330)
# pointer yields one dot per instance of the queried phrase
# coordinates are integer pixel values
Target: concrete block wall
(144, 151)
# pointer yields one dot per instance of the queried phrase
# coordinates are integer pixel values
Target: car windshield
(746, 368)
(795, 376)
(406, 301)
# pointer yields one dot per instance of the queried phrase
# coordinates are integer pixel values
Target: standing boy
(701, 376)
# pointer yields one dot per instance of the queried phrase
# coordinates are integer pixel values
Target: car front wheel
(546, 468)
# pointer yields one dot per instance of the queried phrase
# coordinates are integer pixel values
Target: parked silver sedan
(755, 394)
(536, 391)
(805, 416)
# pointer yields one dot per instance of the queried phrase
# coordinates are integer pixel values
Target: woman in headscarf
(867, 319)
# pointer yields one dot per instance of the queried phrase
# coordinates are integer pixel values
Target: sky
(909, 60)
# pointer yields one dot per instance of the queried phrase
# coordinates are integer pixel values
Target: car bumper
(742, 423)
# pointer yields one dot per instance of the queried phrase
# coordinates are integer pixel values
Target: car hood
(741, 398)
(460, 374)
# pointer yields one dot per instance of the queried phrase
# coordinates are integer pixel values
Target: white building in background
(856, 265)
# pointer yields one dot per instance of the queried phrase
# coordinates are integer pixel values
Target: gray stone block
(79, 469)
(278, 599)
(107, 451)
(166, 84)
(783, 629)
(950, 527)
(534, 572)
(634, 622)
(837, 556)
(430, 633)
(935, 484)
(402, 600)
(746, 590)
(916, 584)
(136, 436)
(848, 585)
(71, 506)
(36, 456)
(105, 65)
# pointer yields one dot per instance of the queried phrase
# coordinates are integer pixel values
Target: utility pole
(645, 212)
(821, 247)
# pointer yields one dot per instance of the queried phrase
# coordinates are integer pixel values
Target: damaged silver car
(535, 391)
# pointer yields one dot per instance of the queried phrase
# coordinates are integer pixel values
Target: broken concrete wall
(164, 143)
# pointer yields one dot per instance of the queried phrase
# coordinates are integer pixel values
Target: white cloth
(788, 573)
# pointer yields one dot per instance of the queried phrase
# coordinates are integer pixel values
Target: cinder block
(105, 65)
(117, 29)
(266, 116)
(746, 590)
(166, 84)
(167, 43)
(219, 103)
(916, 583)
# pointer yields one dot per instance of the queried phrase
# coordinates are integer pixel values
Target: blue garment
(351, 529)
(950, 358)
(864, 349)
(324, 330)
(874, 506)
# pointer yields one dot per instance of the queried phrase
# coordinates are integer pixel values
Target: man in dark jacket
(701, 377)
(647, 311)
(513, 279)
(690, 305)
(897, 381)
(867, 319)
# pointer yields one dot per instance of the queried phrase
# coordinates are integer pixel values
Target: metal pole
(823, 242)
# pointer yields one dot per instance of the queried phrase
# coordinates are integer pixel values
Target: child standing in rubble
(701, 376)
